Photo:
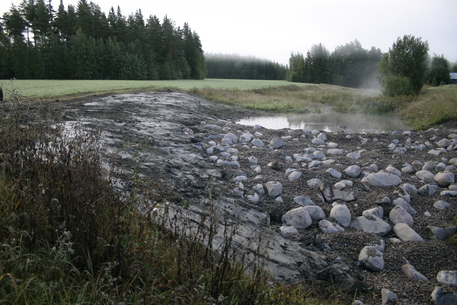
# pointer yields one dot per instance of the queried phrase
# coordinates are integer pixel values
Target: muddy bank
(182, 140)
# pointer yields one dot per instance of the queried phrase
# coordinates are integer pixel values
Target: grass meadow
(433, 106)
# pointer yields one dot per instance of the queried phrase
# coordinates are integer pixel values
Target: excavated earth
(164, 137)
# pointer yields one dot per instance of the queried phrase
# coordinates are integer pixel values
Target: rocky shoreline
(365, 213)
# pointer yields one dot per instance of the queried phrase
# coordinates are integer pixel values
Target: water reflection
(329, 121)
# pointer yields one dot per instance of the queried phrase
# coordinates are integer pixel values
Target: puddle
(329, 121)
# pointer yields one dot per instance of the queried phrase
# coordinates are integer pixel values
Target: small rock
(443, 298)
(301, 200)
(388, 297)
(334, 151)
(410, 188)
(246, 137)
(399, 215)
(341, 214)
(274, 188)
(230, 139)
(411, 272)
(315, 212)
(447, 277)
(440, 204)
(427, 190)
(253, 198)
(392, 170)
(314, 183)
(253, 160)
(425, 176)
(429, 166)
(298, 218)
(328, 227)
(443, 142)
(371, 258)
(353, 171)
(377, 211)
(442, 233)
(294, 176)
(382, 179)
(276, 143)
(334, 173)
(444, 179)
(354, 155)
(404, 204)
(258, 188)
(288, 230)
(257, 143)
(448, 193)
(406, 233)
(371, 224)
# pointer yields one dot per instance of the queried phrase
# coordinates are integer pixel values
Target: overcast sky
(273, 29)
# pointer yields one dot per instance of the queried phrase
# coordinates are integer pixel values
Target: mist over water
(329, 121)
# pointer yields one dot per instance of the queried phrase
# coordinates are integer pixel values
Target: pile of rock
(392, 215)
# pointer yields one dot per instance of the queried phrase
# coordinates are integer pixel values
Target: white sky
(273, 29)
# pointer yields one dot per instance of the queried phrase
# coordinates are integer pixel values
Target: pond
(330, 121)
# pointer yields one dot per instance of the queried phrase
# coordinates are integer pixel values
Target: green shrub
(397, 85)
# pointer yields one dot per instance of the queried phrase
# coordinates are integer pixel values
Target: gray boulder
(298, 218)
(315, 212)
(425, 176)
(276, 143)
(353, 171)
(274, 188)
(371, 258)
(341, 214)
(443, 298)
(442, 233)
(405, 204)
(447, 277)
(406, 233)
(382, 179)
(427, 190)
(371, 224)
(411, 272)
(327, 227)
(399, 215)
(444, 179)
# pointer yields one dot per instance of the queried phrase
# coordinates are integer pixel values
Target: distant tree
(15, 24)
(320, 68)
(296, 71)
(406, 59)
(243, 67)
(439, 71)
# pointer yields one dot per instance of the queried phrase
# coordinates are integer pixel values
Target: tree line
(243, 67)
(82, 42)
(404, 69)
(349, 65)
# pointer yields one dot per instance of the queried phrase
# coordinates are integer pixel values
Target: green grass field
(59, 88)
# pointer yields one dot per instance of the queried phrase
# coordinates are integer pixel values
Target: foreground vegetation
(68, 237)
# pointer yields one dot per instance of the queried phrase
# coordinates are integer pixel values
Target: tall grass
(68, 237)
(431, 108)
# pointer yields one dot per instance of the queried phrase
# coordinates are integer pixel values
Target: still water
(330, 121)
